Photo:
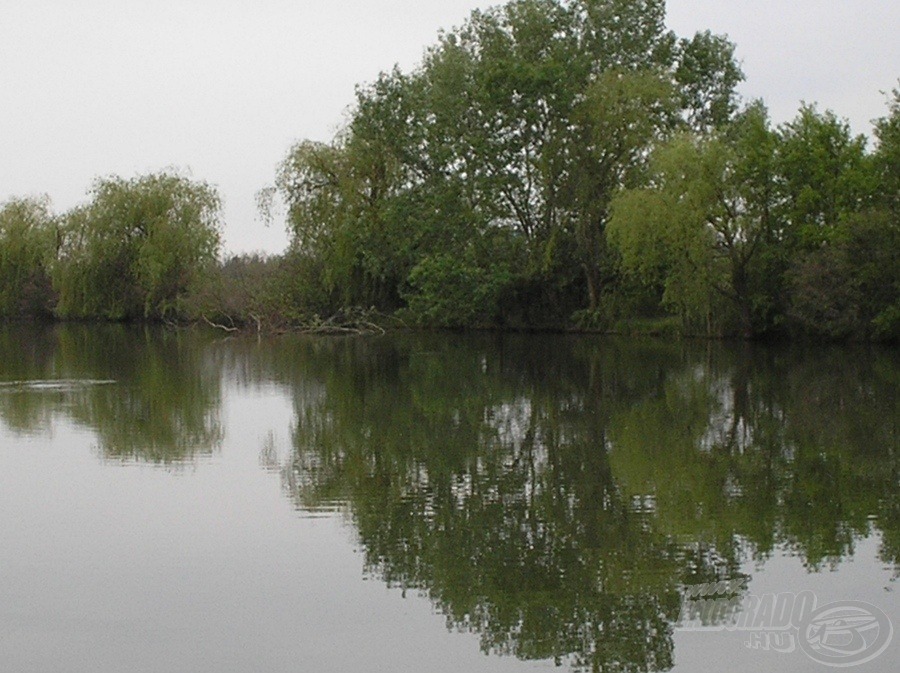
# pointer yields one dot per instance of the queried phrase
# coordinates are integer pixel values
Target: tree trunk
(593, 287)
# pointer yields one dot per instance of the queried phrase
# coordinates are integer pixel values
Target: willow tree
(27, 248)
(702, 223)
(341, 197)
(137, 247)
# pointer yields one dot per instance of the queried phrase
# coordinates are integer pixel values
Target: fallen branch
(226, 328)
(258, 321)
(329, 329)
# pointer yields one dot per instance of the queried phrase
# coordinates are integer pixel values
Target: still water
(178, 502)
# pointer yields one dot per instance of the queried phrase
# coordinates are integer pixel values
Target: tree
(706, 75)
(825, 298)
(704, 218)
(561, 103)
(622, 116)
(27, 248)
(824, 175)
(877, 251)
(841, 225)
(887, 156)
(137, 247)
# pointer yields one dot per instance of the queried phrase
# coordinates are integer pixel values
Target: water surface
(178, 502)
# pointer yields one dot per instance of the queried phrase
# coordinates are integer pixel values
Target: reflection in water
(553, 495)
(556, 495)
(147, 394)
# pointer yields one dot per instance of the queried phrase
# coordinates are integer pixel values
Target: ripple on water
(50, 385)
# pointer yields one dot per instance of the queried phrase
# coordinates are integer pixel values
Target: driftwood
(360, 328)
(339, 325)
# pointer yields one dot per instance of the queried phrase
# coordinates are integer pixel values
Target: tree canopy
(574, 162)
(500, 154)
(137, 247)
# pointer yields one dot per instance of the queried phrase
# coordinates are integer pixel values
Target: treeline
(573, 163)
(143, 249)
(549, 164)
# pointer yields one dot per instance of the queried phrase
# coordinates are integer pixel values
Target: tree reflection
(780, 448)
(163, 407)
(555, 495)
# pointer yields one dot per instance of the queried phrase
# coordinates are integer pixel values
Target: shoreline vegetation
(550, 165)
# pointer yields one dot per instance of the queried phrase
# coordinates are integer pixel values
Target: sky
(220, 89)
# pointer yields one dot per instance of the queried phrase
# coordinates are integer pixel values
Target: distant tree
(27, 247)
(137, 247)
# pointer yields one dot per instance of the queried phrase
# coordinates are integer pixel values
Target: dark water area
(430, 502)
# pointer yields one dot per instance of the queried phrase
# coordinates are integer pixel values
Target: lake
(176, 501)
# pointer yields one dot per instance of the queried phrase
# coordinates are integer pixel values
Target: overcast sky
(222, 88)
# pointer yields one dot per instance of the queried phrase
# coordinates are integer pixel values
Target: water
(177, 502)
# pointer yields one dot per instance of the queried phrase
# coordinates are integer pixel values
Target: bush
(454, 291)
(824, 298)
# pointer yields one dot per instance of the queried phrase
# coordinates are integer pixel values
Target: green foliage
(700, 225)
(612, 169)
(615, 177)
(875, 246)
(549, 163)
(27, 248)
(137, 248)
(824, 298)
(824, 174)
(452, 291)
(887, 156)
(240, 291)
(623, 114)
(851, 287)
(842, 226)
(707, 74)
(518, 127)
